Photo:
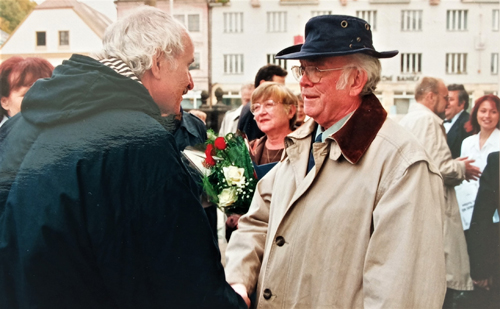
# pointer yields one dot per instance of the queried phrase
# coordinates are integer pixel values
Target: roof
(97, 21)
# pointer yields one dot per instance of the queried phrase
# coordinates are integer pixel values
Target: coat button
(267, 294)
(280, 241)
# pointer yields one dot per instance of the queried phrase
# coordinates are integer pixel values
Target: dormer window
(63, 38)
(40, 38)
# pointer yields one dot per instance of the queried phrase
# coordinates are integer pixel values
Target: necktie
(310, 164)
(447, 121)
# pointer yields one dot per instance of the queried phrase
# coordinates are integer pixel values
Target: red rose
(210, 161)
(220, 143)
(208, 155)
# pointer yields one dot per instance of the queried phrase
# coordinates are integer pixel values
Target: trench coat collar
(356, 135)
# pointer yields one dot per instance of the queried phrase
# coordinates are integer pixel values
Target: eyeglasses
(312, 73)
(260, 106)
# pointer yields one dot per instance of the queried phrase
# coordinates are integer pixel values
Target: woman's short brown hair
(277, 92)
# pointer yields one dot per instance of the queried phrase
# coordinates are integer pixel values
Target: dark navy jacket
(457, 134)
(96, 207)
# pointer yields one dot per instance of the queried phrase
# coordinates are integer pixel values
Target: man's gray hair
(362, 62)
(138, 37)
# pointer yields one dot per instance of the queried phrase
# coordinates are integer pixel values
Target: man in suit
(456, 116)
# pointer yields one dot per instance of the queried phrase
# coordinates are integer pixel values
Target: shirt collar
(356, 134)
(333, 129)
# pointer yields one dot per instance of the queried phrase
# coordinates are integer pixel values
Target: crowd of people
(98, 209)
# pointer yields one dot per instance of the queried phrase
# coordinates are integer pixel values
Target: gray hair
(141, 35)
(362, 62)
(248, 86)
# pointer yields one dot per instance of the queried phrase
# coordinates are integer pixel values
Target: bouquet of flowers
(231, 180)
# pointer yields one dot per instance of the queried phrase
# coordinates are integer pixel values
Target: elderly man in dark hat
(348, 217)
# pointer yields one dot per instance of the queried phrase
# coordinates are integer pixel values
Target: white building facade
(55, 30)
(458, 41)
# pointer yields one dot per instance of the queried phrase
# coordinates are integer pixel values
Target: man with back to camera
(424, 120)
(456, 116)
(96, 207)
(268, 73)
(348, 221)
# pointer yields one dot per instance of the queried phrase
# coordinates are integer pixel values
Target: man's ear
(358, 82)
(157, 65)
(5, 103)
(429, 96)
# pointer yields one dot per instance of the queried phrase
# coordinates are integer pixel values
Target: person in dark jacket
(247, 124)
(483, 239)
(456, 116)
(96, 208)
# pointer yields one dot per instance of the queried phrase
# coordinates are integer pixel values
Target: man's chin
(171, 111)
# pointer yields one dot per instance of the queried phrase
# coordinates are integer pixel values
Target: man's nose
(305, 81)
(191, 83)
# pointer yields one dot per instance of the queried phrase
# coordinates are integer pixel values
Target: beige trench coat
(360, 230)
(428, 129)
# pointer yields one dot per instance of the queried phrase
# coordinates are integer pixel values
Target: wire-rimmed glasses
(312, 72)
(260, 106)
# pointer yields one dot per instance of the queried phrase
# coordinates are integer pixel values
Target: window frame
(458, 65)
(494, 64)
(411, 26)
(238, 61)
(37, 38)
(233, 22)
(279, 25)
(61, 32)
(411, 63)
(461, 23)
(190, 23)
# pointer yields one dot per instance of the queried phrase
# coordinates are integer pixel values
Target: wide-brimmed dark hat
(335, 35)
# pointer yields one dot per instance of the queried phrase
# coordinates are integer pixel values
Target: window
(193, 23)
(233, 64)
(63, 38)
(318, 13)
(276, 21)
(456, 20)
(180, 18)
(411, 63)
(40, 38)
(456, 63)
(494, 63)
(369, 16)
(496, 20)
(196, 64)
(411, 20)
(272, 60)
(233, 22)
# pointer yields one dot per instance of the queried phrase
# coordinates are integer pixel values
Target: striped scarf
(120, 67)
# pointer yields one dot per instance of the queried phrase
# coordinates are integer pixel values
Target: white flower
(234, 175)
(211, 135)
(227, 197)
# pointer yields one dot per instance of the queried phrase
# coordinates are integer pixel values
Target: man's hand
(242, 291)
(485, 283)
(472, 172)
